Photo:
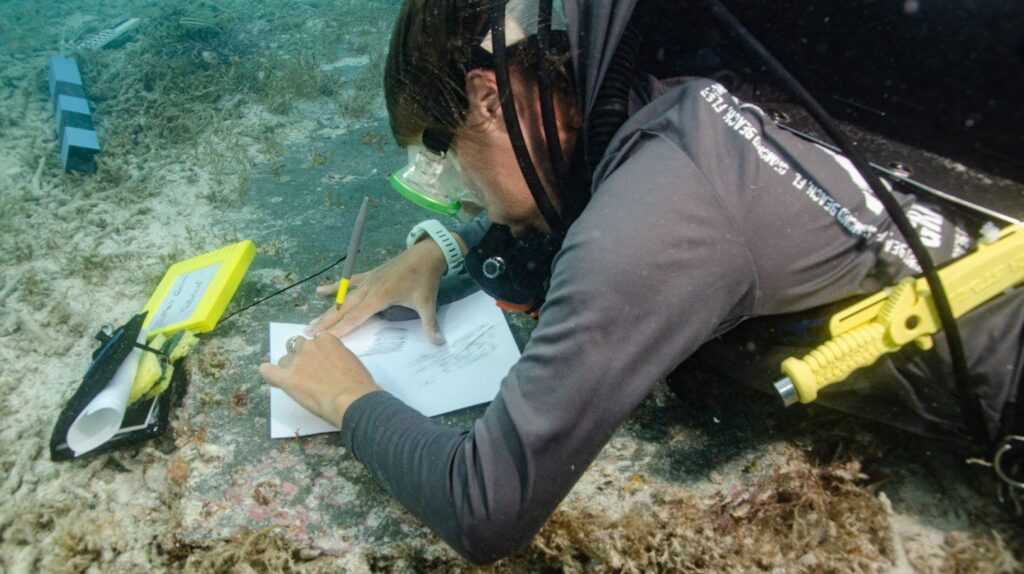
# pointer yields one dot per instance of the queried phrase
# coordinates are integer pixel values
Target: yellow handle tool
(886, 321)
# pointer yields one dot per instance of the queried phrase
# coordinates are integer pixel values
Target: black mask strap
(508, 108)
(437, 141)
(547, 106)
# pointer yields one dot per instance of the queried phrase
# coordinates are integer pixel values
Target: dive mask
(432, 178)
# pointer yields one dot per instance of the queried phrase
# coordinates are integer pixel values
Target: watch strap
(449, 246)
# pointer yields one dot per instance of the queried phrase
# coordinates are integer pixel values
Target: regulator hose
(611, 105)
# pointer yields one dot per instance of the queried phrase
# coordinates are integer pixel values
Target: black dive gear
(547, 106)
(525, 263)
(1007, 459)
(611, 105)
(511, 117)
(517, 271)
(514, 270)
(142, 420)
(616, 86)
(970, 404)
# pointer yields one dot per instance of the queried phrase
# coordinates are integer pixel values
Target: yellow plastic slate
(194, 293)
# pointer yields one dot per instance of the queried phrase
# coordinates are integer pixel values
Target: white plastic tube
(102, 417)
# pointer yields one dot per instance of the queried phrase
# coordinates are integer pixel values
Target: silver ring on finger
(292, 345)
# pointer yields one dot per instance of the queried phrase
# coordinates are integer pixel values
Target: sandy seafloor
(214, 103)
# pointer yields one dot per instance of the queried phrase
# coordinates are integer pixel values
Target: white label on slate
(183, 298)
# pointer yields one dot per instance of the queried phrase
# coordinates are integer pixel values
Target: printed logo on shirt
(928, 223)
(873, 204)
(715, 94)
(732, 116)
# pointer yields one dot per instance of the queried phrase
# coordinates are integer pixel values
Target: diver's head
(439, 80)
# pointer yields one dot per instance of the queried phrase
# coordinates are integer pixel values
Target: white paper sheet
(433, 379)
(101, 418)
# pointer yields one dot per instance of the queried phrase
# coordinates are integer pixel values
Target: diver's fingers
(332, 288)
(323, 322)
(286, 361)
(327, 290)
(328, 318)
(333, 315)
(431, 329)
(352, 318)
(271, 373)
(426, 306)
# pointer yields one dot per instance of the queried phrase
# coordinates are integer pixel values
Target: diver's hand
(411, 279)
(322, 375)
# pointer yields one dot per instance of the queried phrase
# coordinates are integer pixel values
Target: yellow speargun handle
(886, 321)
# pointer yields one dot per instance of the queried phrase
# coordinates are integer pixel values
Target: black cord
(547, 104)
(515, 132)
(966, 398)
(278, 292)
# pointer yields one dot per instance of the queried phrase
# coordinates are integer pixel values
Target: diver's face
(488, 162)
(491, 173)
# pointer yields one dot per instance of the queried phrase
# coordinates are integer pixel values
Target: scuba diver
(650, 225)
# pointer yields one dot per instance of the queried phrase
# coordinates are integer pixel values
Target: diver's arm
(625, 307)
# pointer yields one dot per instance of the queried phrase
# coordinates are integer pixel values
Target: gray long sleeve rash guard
(704, 213)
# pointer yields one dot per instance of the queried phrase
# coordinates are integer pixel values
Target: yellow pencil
(353, 247)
